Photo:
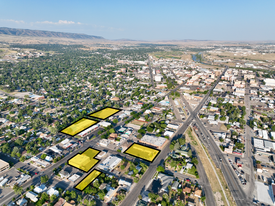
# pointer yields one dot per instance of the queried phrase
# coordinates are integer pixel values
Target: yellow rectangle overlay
(78, 126)
(104, 113)
(88, 180)
(84, 161)
(142, 152)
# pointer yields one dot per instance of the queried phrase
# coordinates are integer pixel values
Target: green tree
(189, 153)
(44, 179)
(43, 156)
(112, 130)
(53, 197)
(171, 146)
(182, 141)
(136, 179)
(194, 161)
(73, 194)
(177, 146)
(17, 189)
(160, 169)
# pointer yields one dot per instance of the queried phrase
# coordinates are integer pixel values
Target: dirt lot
(139, 123)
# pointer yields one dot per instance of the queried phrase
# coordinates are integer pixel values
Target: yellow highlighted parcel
(104, 113)
(142, 152)
(78, 126)
(87, 180)
(84, 161)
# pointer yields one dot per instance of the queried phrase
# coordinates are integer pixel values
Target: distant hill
(40, 33)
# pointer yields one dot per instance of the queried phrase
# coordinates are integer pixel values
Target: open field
(172, 55)
(88, 180)
(84, 161)
(245, 56)
(143, 152)
(78, 126)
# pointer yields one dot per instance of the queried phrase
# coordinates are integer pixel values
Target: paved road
(248, 144)
(36, 179)
(132, 197)
(151, 73)
(232, 181)
(147, 177)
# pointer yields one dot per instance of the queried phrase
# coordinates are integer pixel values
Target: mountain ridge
(42, 33)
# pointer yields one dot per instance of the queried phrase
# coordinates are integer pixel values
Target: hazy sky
(146, 20)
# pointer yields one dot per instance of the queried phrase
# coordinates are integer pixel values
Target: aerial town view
(179, 113)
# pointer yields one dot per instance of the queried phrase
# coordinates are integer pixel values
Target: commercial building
(89, 130)
(40, 162)
(74, 177)
(109, 163)
(154, 141)
(4, 165)
(269, 82)
(263, 145)
(104, 124)
(172, 126)
(23, 179)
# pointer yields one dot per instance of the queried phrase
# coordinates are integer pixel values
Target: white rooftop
(264, 193)
(153, 140)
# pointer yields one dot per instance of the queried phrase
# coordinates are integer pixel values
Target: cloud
(60, 22)
(14, 21)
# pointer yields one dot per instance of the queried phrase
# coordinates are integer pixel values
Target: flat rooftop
(104, 113)
(143, 152)
(3, 163)
(153, 140)
(84, 161)
(264, 193)
(78, 126)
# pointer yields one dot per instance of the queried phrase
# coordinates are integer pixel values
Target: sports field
(88, 180)
(142, 152)
(84, 161)
(78, 126)
(104, 113)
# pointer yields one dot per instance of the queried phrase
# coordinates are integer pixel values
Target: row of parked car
(240, 174)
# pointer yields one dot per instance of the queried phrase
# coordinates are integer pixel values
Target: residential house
(175, 185)
(22, 202)
(60, 202)
(165, 180)
(32, 196)
(64, 174)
